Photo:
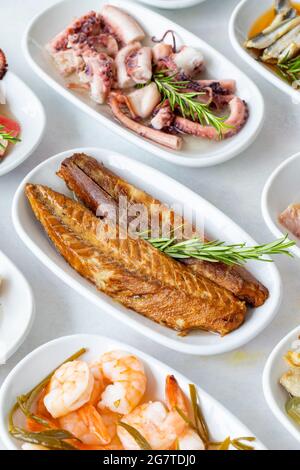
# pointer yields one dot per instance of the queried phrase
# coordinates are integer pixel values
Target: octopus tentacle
(238, 116)
(122, 25)
(174, 142)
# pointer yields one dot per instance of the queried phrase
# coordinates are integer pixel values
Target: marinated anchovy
(264, 40)
(273, 52)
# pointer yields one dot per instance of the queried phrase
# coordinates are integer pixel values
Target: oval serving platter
(16, 308)
(243, 17)
(40, 362)
(275, 395)
(281, 190)
(171, 4)
(26, 108)
(170, 192)
(195, 152)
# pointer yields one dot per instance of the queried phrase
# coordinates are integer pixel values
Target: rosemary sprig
(7, 136)
(290, 69)
(137, 436)
(218, 251)
(174, 91)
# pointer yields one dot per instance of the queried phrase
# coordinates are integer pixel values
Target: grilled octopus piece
(172, 141)
(89, 25)
(99, 74)
(238, 116)
(82, 43)
(163, 116)
(121, 25)
(3, 64)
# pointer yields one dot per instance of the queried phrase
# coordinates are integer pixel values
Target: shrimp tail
(175, 397)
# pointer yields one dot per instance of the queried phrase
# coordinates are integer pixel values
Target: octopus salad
(291, 381)
(157, 91)
(101, 405)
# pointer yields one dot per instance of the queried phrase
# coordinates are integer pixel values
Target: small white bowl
(28, 111)
(16, 308)
(275, 394)
(169, 191)
(195, 152)
(40, 362)
(242, 18)
(171, 4)
(281, 190)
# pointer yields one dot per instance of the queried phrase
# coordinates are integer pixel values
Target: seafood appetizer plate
(275, 394)
(245, 15)
(74, 68)
(16, 308)
(225, 314)
(43, 360)
(280, 193)
(23, 105)
(171, 4)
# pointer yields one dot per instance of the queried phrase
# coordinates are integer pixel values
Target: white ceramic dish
(281, 190)
(275, 394)
(16, 308)
(39, 363)
(171, 4)
(195, 152)
(26, 108)
(167, 190)
(243, 17)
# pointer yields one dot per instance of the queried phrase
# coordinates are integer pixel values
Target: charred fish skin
(235, 279)
(166, 305)
(263, 41)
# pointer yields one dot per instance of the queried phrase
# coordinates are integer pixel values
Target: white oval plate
(27, 109)
(195, 152)
(243, 17)
(16, 308)
(275, 394)
(281, 190)
(40, 362)
(171, 4)
(171, 192)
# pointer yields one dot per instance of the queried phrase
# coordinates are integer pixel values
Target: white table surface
(235, 187)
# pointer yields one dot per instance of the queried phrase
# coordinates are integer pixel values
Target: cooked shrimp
(190, 440)
(98, 383)
(161, 426)
(87, 425)
(128, 382)
(69, 389)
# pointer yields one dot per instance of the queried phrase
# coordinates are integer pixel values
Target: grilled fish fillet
(131, 272)
(95, 182)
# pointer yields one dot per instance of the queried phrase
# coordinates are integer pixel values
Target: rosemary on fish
(50, 438)
(7, 136)
(290, 69)
(218, 251)
(175, 91)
